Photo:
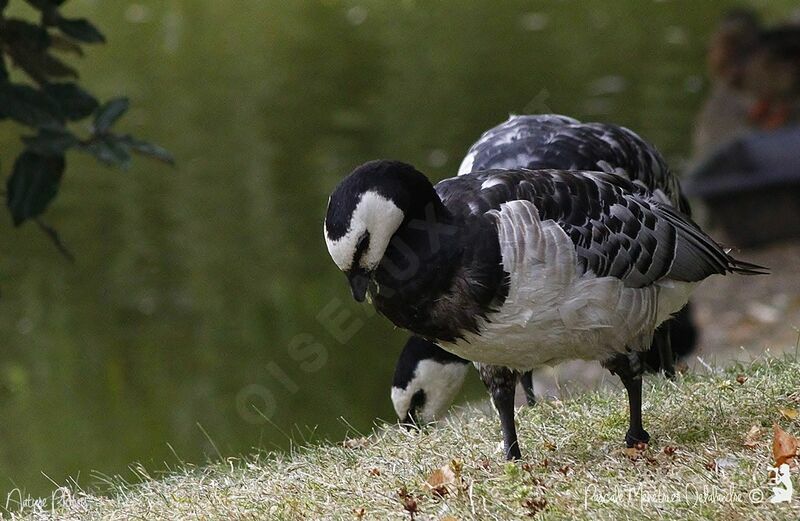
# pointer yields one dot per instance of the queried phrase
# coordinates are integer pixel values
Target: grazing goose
(427, 378)
(521, 268)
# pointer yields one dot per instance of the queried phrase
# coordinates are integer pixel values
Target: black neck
(439, 276)
(421, 255)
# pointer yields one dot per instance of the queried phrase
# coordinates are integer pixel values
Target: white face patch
(374, 214)
(441, 383)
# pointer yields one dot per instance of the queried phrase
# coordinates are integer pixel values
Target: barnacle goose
(427, 378)
(521, 268)
(426, 381)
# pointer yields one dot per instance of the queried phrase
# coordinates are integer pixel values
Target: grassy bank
(706, 460)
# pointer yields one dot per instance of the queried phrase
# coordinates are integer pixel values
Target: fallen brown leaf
(443, 481)
(534, 505)
(784, 445)
(359, 512)
(408, 501)
(741, 379)
(449, 518)
(753, 437)
(789, 413)
(633, 453)
(670, 450)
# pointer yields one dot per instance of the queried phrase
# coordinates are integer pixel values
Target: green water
(204, 295)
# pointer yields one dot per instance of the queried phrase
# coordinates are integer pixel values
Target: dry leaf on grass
(784, 445)
(534, 505)
(789, 413)
(633, 453)
(445, 480)
(408, 501)
(753, 437)
(486, 464)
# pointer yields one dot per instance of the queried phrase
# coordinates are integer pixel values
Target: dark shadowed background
(203, 315)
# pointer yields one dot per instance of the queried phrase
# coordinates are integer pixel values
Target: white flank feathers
(553, 313)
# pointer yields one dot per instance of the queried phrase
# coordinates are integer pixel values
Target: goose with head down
(521, 268)
(427, 378)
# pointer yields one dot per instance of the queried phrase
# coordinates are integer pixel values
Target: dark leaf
(80, 29)
(33, 184)
(109, 113)
(74, 102)
(51, 141)
(62, 44)
(20, 33)
(27, 46)
(108, 150)
(147, 149)
(40, 65)
(28, 105)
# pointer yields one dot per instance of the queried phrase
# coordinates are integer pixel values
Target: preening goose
(427, 378)
(521, 268)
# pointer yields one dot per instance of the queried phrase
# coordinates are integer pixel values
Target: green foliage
(49, 101)
(33, 184)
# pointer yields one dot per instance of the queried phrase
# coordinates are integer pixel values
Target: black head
(366, 209)
(426, 380)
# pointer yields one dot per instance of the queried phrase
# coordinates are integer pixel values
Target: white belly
(595, 319)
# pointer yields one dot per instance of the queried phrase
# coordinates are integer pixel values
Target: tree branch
(52, 234)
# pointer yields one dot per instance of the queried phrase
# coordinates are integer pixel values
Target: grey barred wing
(552, 141)
(617, 228)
